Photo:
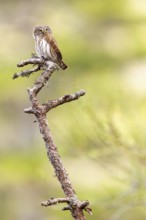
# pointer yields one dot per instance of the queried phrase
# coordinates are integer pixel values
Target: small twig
(29, 110)
(33, 60)
(64, 99)
(26, 73)
(67, 208)
(53, 201)
(89, 210)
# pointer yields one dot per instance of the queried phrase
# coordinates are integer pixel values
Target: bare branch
(40, 82)
(26, 73)
(53, 201)
(56, 102)
(33, 60)
(64, 99)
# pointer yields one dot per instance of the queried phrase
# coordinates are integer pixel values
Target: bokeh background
(102, 136)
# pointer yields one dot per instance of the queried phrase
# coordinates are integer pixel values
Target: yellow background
(102, 136)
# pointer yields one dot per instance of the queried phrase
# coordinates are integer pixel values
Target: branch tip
(29, 110)
(67, 208)
(89, 210)
(15, 76)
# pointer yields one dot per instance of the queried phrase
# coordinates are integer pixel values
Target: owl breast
(42, 48)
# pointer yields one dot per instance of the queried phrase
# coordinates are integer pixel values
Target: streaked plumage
(46, 46)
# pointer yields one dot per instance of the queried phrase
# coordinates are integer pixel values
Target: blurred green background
(102, 136)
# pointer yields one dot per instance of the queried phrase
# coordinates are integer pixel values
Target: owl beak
(45, 31)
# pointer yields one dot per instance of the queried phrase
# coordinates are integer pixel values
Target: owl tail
(62, 64)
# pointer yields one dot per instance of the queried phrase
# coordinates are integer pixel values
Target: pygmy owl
(46, 46)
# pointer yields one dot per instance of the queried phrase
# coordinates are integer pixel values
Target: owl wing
(55, 50)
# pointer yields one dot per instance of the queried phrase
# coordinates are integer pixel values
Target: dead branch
(64, 99)
(26, 72)
(33, 60)
(53, 201)
(75, 206)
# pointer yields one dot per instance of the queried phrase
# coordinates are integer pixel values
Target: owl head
(41, 30)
